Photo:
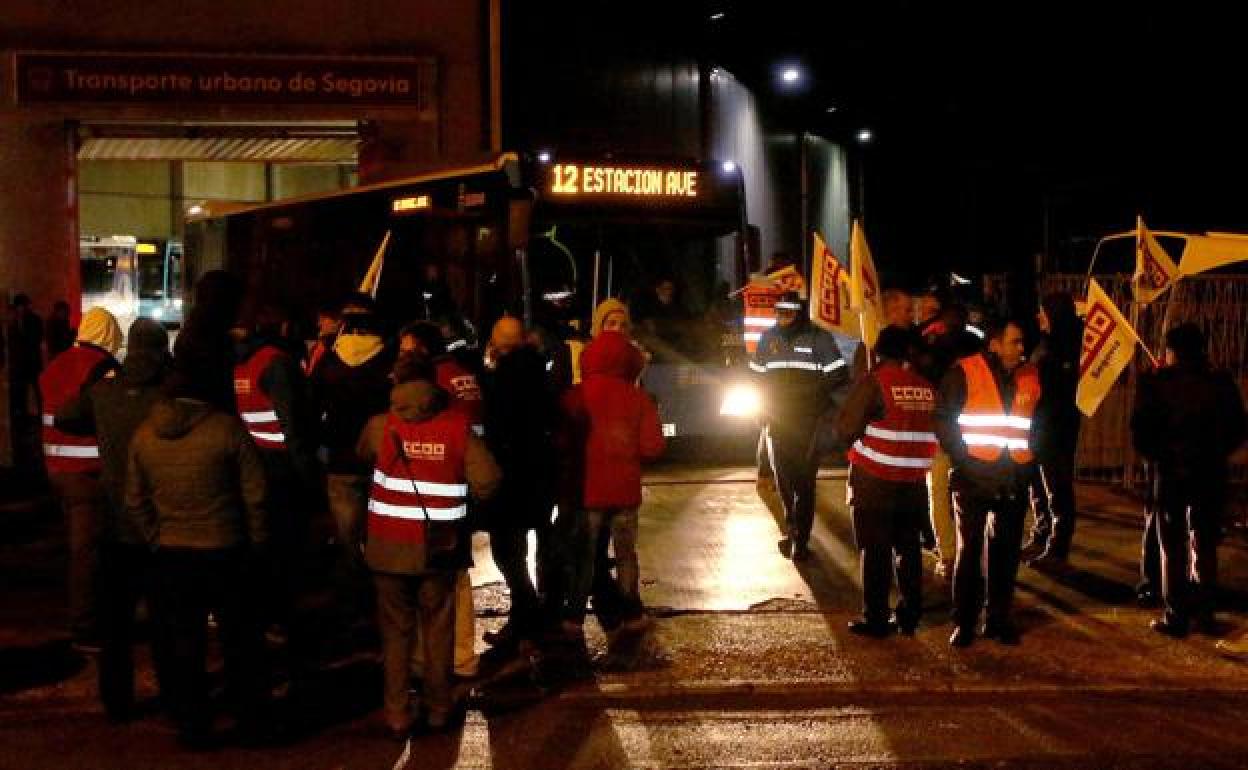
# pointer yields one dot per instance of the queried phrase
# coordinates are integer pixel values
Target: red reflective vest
(254, 405)
(419, 476)
(61, 381)
(987, 428)
(464, 390)
(900, 445)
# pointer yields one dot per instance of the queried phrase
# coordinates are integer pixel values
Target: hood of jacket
(604, 309)
(358, 349)
(416, 400)
(100, 328)
(174, 418)
(147, 353)
(611, 354)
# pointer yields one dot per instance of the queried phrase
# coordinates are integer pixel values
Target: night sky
(991, 120)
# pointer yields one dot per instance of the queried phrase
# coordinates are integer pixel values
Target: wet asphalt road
(748, 665)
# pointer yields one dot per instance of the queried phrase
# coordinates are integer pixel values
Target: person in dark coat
(112, 410)
(1188, 419)
(1053, 492)
(520, 419)
(195, 485)
(204, 350)
(350, 385)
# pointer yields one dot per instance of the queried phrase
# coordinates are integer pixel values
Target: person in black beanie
(204, 350)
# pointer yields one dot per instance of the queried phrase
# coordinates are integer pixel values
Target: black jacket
(521, 413)
(345, 395)
(800, 367)
(1188, 419)
(971, 476)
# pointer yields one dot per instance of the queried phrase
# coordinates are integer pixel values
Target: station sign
(110, 78)
(605, 181)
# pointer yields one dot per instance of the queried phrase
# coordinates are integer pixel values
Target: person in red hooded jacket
(612, 428)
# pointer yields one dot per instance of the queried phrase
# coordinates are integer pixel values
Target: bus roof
(498, 163)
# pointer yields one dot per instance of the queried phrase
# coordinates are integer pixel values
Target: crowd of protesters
(193, 481)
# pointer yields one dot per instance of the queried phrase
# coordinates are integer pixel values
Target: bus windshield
(97, 274)
(151, 276)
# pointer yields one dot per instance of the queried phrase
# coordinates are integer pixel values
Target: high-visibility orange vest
(760, 313)
(60, 382)
(254, 405)
(900, 445)
(987, 428)
(419, 477)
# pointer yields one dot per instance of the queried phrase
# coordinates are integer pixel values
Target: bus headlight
(741, 401)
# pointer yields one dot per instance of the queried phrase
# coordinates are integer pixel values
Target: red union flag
(1108, 345)
(830, 300)
(1155, 271)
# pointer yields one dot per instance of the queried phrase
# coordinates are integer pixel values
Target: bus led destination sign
(586, 180)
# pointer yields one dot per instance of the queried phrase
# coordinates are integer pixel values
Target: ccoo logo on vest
(913, 398)
(242, 386)
(424, 450)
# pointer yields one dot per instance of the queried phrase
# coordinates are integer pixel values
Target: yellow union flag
(1155, 271)
(864, 286)
(1108, 345)
(829, 301)
(1211, 251)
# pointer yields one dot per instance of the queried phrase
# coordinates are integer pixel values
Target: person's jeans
(412, 610)
(510, 549)
(590, 534)
(126, 577)
(994, 524)
(82, 499)
(348, 504)
(940, 509)
(792, 459)
(193, 582)
(888, 517)
(1189, 522)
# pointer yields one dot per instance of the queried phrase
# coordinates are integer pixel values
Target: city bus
(132, 278)
(544, 239)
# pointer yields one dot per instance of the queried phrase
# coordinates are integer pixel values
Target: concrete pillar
(38, 212)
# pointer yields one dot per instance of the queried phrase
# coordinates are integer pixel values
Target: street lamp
(865, 136)
(728, 166)
(543, 156)
(791, 75)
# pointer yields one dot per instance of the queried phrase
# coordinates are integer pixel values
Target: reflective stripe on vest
(69, 450)
(419, 477)
(59, 383)
(254, 405)
(899, 446)
(988, 429)
(809, 366)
